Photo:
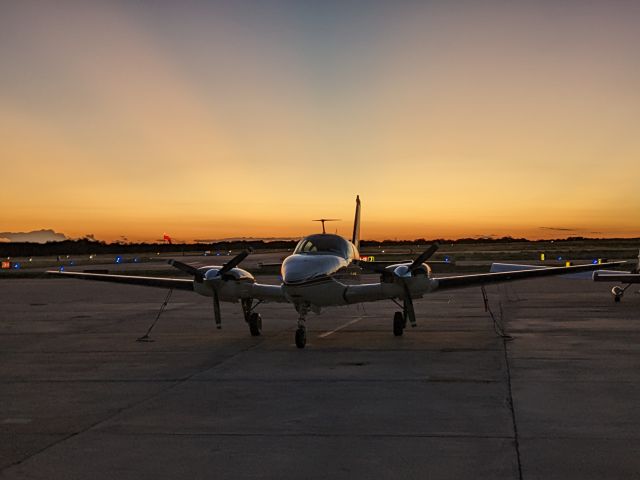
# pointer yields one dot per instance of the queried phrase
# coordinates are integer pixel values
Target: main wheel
(255, 324)
(617, 298)
(398, 324)
(301, 337)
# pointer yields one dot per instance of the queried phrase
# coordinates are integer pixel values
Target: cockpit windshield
(323, 244)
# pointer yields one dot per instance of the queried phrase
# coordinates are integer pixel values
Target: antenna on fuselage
(326, 220)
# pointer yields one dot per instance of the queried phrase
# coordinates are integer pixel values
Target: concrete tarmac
(80, 398)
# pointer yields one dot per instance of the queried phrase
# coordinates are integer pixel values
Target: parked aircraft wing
(462, 281)
(510, 267)
(175, 283)
(621, 277)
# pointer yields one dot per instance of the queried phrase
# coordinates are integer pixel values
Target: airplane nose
(302, 268)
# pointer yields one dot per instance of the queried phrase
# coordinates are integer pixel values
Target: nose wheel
(301, 332)
(301, 337)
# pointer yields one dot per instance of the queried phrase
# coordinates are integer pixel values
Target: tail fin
(356, 224)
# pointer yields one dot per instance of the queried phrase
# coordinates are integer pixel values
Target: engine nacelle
(392, 273)
(232, 286)
(238, 274)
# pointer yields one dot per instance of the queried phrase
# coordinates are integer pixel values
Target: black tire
(617, 299)
(301, 337)
(255, 324)
(398, 324)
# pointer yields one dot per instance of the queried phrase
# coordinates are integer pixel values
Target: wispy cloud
(561, 229)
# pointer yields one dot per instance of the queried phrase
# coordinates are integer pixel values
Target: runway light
(16, 266)
(446, 259)
(61, 269)
(118, 259)
(559, 259)
(595, 262)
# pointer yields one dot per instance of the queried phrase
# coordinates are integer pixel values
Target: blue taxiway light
(118, 259)
(16, 266)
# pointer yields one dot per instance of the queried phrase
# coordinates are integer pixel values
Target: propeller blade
(423, 257)
(234, 262)
(408, 304)
(190, 269)
(216, 309)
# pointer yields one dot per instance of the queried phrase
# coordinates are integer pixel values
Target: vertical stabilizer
(356, 225)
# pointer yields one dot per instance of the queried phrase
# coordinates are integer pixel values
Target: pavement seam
(516, 439)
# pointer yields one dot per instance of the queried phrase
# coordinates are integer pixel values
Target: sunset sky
(250, 118)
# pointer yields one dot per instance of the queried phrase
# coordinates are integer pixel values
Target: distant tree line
(88, 247)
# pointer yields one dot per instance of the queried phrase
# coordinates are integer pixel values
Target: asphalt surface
(80, 398)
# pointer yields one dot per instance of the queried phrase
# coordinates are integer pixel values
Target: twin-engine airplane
(310, 281)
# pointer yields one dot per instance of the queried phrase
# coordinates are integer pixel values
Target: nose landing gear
(301, 332)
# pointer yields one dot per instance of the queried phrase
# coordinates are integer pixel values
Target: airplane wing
(175, 283)
(461, 281)
(622, 277)
(259, 291)
(584, 275)
(267, 293)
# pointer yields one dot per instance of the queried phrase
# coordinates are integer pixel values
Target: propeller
(199, 277)
(190, 269)
(405, 271)
(234, 262)
(426, 255)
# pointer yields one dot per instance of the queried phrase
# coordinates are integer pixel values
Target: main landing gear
(253, 319)
(399, 322)
(400, 318)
